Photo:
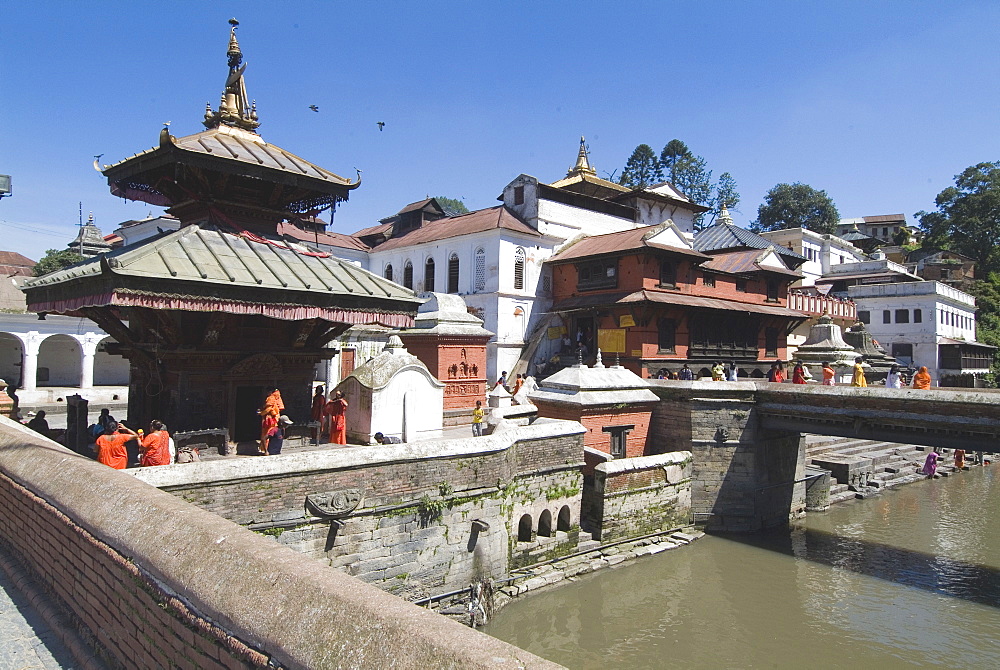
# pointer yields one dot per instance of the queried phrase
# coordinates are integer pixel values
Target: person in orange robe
(922, 380)
(828, 375)
(269, 413)
(111, 448)
(155, 446)
(336, 413)
(319, 404)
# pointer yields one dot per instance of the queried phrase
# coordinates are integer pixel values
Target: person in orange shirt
(922, 380)
(269, 413)
(111, 448)
(336, 413)
(828, 374)
(155, 446)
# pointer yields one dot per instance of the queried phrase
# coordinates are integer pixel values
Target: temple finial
(234, 107)
(724, 215)
(582, 161)
(599, 363)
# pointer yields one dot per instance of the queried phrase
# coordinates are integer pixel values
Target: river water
(909, 578)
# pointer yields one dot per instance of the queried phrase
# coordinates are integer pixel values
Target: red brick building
(652, 298)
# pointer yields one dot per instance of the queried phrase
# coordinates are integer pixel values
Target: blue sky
(878, 103)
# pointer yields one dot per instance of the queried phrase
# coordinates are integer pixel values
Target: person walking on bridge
(922, 380)
(859, 373)
(894, 380)
(828, 374)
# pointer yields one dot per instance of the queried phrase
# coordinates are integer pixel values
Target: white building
(926, 323)
(885, 227)
(823, 252)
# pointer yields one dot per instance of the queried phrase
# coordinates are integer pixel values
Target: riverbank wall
(118, 558)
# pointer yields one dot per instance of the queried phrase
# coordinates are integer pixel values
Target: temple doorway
(246, 422)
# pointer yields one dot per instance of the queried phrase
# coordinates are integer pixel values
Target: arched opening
(562, 523)
(408, 275)
(545, 524)
(524, 529)
(59, 361)
(429, 275)
(480, 280)
(519, 269)
(453, 273)
(704, 372)
(109, 370)
(11, 353)
(388, 271)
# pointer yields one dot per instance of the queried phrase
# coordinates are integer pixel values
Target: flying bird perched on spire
(314, 108)
(381, 125)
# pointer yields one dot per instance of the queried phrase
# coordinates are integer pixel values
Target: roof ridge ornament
(724, 216)
(235, 108)
(582, 166)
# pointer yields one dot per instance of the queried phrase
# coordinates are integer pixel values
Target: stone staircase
(864, 467)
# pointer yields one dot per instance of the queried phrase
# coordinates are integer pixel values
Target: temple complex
(214, 315)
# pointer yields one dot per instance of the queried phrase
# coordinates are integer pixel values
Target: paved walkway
(26, 641)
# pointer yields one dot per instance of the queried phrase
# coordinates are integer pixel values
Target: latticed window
(429, 275)
(519, 269)
(388, 271)
(453, 274)
(480, 270)
(408, 275)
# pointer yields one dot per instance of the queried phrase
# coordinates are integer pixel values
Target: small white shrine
(393, 394)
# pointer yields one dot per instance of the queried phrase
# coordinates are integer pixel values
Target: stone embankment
(595, 556)
(862, 468)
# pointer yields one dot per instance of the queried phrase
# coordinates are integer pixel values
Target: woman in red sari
(155, 446)
(269, 413)
(319, 404)
(798, 374)
(336, 413)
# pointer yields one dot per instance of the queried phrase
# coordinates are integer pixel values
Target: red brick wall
(439, 354)
(594, 420)
(120, 609)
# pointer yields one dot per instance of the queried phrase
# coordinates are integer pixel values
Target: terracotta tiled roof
(328, 238)
(454, 226)
(13, 264)
(373, 230)
(626, 240)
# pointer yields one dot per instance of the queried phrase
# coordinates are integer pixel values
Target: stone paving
(26, 641)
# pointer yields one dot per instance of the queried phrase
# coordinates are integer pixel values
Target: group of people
(934, 459)
(800, 374)
(156, 447)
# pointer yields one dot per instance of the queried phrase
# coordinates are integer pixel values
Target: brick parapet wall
(160, 583)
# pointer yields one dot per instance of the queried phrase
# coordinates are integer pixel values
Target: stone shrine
(451, 342)
(393, 394)
(875, 357)
(826, 344)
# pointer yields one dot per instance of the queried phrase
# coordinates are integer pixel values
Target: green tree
(642, 168)
(451, 206)
(967, 219)
(797, 206)
(55, 259)
(671, 156)
(987, 294)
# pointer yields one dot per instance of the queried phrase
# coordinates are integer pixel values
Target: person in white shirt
(894, 379)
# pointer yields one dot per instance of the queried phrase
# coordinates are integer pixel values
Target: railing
(815, 304)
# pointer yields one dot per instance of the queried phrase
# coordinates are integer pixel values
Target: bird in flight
(314, 108)
(381, 125)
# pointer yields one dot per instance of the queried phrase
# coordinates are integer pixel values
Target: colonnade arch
(32, 359)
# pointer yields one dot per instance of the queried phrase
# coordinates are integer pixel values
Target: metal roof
(738, 262)
(453, 226)
(205, 254)
(626, 240)
(672, 298)
(727, 236)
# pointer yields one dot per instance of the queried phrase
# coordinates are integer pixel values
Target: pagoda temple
(214, 315)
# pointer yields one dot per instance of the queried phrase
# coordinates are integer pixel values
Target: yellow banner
(611, 340)
(625, 321)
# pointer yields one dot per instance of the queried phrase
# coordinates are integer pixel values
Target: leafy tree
(967, 219)
(797, 206)
(642, 168)
(671, 156)
(987, 294)
(451, 206)
(55, 259)
(726, 193)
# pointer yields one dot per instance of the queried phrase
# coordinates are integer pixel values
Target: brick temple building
(651, 298)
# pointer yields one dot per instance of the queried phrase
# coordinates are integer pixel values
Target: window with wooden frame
(708, 280)
(773, 289)
(388, 271)
(429, 275)
(408, 275)
(597, 274)
(770, 341)
(519, 269)
(480, 270)
(453, 273)
(667, 335)
(741, 284)
(668, 274)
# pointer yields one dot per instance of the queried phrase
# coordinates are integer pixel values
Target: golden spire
(234, 107)
(582, 163)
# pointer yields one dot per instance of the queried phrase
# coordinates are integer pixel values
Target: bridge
(748, 445)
